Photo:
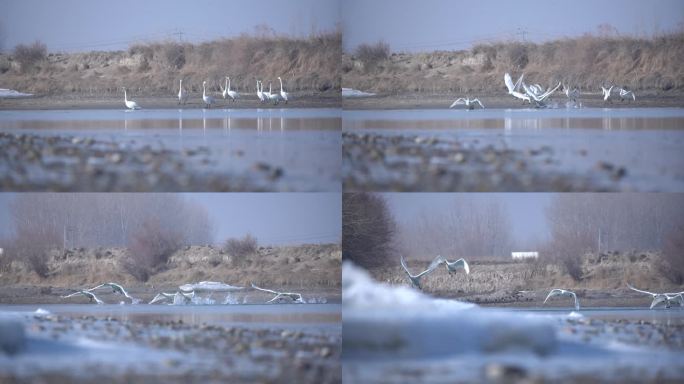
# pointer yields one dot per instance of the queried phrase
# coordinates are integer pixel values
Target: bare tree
(150, 248)
(672, 264)
(368, 229)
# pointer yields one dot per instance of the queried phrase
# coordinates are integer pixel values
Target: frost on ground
(398, 334)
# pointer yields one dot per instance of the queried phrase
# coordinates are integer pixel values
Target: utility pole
(180, 36)
(523, 34)
(599, 242)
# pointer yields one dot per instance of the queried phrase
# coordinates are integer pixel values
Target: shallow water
(646, 142)
(304, 143)
(321, 316)
(672, 316)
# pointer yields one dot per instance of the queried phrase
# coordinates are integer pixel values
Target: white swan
(87, 294)
(130, 104)
(208, 99)
(606, 93)
(453, 266)
(260, 94)
(571, 93)
(625, 94)
(176, 298)
(563, 292)
(116, 288)
(182, 94)
(295, 297)
(274, 97)
(283, 94)
(513, 89)
(209, 286)
(666, 298)
(468, 102)
(227, 92)
(267, 95)
(537, 94)
(415, 279)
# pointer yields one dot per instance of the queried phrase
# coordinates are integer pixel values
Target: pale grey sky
(84, 25)
(526, 210)
(273, 218)
(427, 25)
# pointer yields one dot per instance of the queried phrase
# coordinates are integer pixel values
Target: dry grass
(607, 271)
(315, 266)
(306, 65)
(586, 62)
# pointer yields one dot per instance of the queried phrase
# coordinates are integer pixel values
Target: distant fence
(524, 255)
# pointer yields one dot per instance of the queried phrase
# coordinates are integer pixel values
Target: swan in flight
(182, 94)
(468, 102)
(571, 93)
(666, 298)
(209, 286)
(176, 298)
(513, 89)
(295, 297)
(208, 99)
(625, 94)
(116, 288)
(87, 294)
(537, 94)
(453, 266)
(227, 92)
(283, 94)
(260, 94)
(415, 279)
(130, 104)
(606, 93)
(563, 292)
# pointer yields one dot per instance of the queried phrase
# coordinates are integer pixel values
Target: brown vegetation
(305, 64)
(149, 249)
(372, 54)
(302, 266)
(586, 62)
(29, 55)
(672, 265)
(607, 271)
(368, 229)
(241, 248)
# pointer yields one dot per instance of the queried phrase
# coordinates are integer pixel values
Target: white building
(524, 255)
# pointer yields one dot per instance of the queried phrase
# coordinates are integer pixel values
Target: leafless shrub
(29, 55)
(672, 260)
(518, 55)
(241, 248)
(150, 248)
(175, 55)
(372, 54)
(32, 248)
(368, 229)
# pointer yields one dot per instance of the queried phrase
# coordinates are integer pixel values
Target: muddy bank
(329, 99)
(426, 100)
(375, 162)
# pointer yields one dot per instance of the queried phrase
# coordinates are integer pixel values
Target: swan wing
(478, 101)
(509, 83)
(554, 292)
(639, 290)
(456, 102)
(403, 265)
(265, 290)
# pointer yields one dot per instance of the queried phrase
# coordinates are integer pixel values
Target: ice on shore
(349, 92)
(11, 93)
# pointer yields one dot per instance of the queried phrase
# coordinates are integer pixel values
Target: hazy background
(410, 25)
(75, 25)
(273, 218)
(526, 211)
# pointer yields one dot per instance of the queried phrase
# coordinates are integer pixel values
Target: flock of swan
(227, 93)
(537, 95)
(186, 293)
(658, 298)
